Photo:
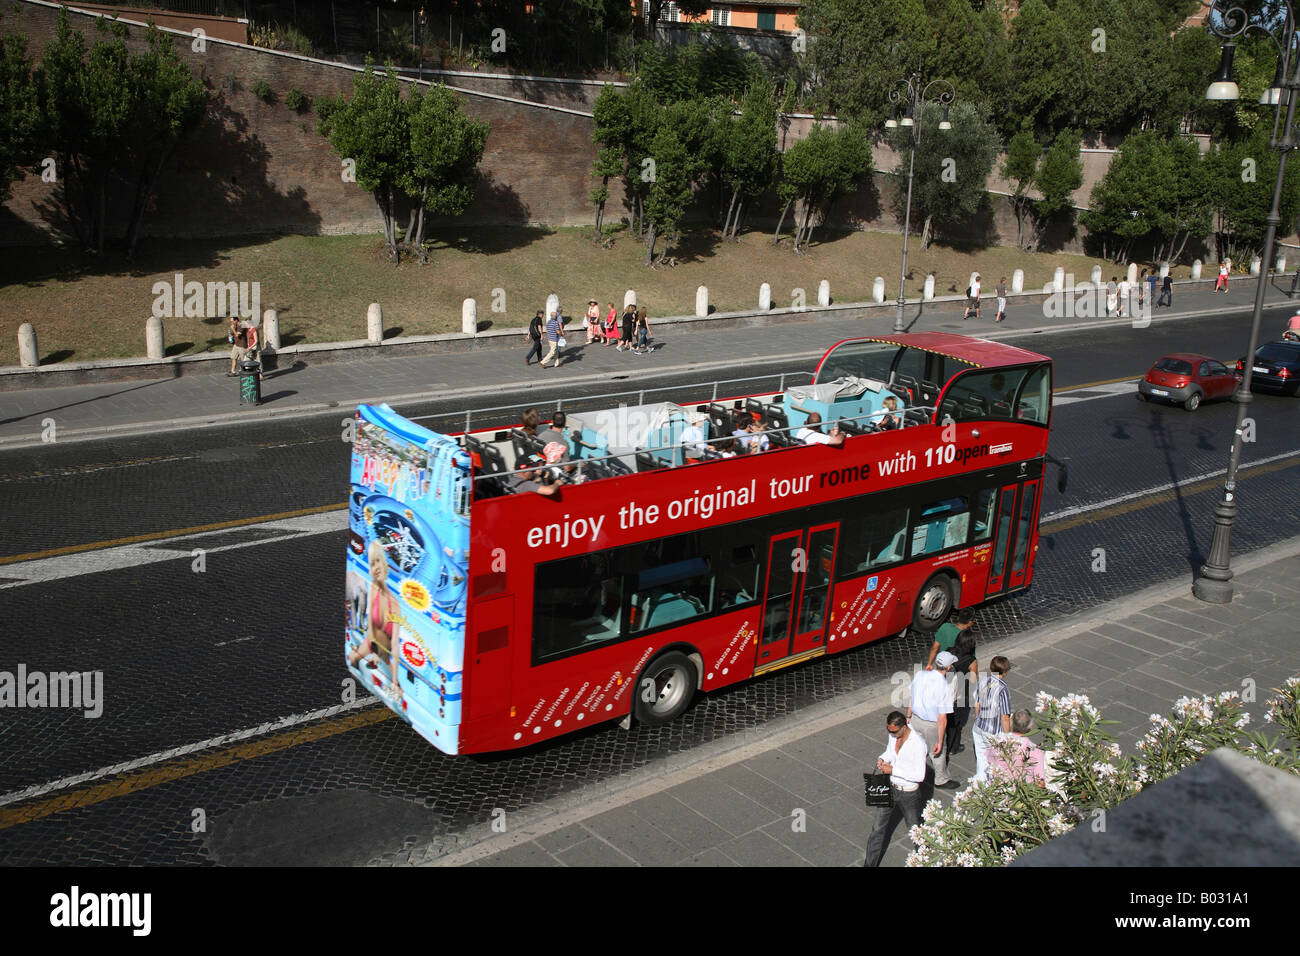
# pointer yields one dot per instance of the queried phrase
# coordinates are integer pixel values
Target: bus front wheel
(933, 604)
(665, 689)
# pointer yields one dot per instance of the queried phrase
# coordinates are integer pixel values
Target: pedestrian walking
(992, 713)
(611, 326)
(1167, 291)
(1002, 299)
(946, 636)
(904, 760)
(1017, 757)
(534, 335)
(1152, 279)
(1112, 296)
(967, 673)
(593, 321)
(555, 338)
(1224, 268)
(973, 298)
(629, 326)
(928, 709)
(642, 331)
(1125, 294)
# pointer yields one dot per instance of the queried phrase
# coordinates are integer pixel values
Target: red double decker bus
(655, 578)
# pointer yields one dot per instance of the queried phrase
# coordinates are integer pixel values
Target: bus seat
(894, 551)
(910, 386)
(1001, 409)
(929, 392)
(672, 607)
(948, 409)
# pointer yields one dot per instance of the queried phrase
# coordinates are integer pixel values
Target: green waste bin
(250, 385)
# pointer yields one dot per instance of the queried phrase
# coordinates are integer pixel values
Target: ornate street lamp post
(914, 98)
(1214, 585)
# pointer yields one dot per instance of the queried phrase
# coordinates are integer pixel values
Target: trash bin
(250, 387)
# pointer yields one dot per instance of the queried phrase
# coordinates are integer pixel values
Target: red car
(1187, 380)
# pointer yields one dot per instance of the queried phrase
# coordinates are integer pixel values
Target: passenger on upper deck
(536, 480)
(529, 419)
(749, 434)
(811, 433)
(556, 432)
(890, 405)
(693, 437)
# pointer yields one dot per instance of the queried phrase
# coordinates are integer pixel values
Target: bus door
(800, 569)
(1014, 526)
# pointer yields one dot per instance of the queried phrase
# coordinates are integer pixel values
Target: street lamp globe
(1224, 87)
(943, 123)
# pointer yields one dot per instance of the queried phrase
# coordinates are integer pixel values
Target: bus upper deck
(862, 386)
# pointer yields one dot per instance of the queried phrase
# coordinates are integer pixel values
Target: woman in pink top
(593, 321)
(1016, 756)
(611, 325)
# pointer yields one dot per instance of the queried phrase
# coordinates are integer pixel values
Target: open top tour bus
(489, 616)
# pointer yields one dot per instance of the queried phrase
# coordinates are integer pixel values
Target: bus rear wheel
(664, 690)
(932, 604)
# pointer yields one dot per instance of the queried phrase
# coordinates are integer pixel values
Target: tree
(1042, 70)
(817, 170)
(1059, 174)
(625, 122)
(952, 167)
(749, 156)
(1019, 168)
(674, 172)
(112, 120)
(20, 115)
(445, 150)
(372, 130)
(1240, 179)
(859, 51)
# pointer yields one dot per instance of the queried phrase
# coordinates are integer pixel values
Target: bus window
(861, 359)
(738, 581)
(940, 525)
(674, 583)
(984, 502)
(872, 540)
(983, 395)
(577, 604)
(1036, 397)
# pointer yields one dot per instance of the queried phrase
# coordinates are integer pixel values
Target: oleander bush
(993, 822)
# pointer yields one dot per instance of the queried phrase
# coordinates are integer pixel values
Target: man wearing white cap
(693, 437)
(928, 710)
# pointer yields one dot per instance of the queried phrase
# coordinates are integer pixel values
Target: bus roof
(979, 353)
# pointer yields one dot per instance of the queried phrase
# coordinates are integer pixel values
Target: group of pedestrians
(629, 334)
(973, 299)
(942, 698)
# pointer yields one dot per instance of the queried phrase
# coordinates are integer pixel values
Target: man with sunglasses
(904, 761)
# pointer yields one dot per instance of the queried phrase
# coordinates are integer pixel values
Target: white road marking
(43, 570)
(140, 762)
(1074, 396)
(1218, 473)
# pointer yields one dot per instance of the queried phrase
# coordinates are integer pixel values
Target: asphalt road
(255, 637)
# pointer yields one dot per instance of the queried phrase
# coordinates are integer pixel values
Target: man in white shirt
(693, 438)
(928, 710)
(811, 433)
(904, 761)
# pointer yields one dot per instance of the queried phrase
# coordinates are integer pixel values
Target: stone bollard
(1280, 264)
(927, 290)
(629, 298)
(1254, 265)
(552, 304)
(28, 356)
(878, 290)
(1058, 280)
(702, 301)
(469, 317)
(1196, 268)
(824, 292)
(1164, 269)
(1132, 273)
(375, 324)
(271, 330)
(153, 338)
(764, 297)
(1018, 281)
(1095, 279)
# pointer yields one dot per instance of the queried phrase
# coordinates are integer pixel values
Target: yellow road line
(1109, 381)
(188, 767)
(163, 535)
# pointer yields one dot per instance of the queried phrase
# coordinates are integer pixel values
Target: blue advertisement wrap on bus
(408, 554)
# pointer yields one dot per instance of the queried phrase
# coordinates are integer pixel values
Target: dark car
(1276, 366)
(1187, 380)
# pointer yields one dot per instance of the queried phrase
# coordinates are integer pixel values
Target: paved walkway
(498, 376)
(736, 802)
